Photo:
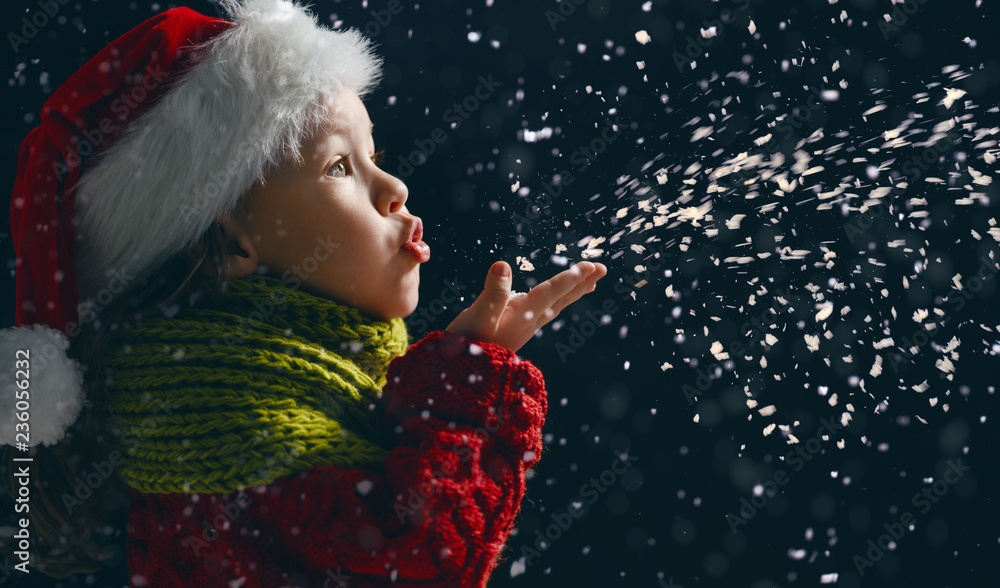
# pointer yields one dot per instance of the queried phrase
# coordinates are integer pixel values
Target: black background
(666, 518)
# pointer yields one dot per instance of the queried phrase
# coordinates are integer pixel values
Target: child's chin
(410, 307)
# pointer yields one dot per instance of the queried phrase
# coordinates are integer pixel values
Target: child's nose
(393, 193)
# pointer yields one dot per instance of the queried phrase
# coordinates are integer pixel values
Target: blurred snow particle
(700, 133)
(643, 37)
(474, 36)
(364, 487)
(953, 95)
(529, 136)
(717, 351)
(518, 567)
(873, 110)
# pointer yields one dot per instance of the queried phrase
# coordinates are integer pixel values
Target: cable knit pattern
(266, 382)
(466, 418)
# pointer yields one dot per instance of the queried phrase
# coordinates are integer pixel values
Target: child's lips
(414, 245)
(419, 250)
(416, 231)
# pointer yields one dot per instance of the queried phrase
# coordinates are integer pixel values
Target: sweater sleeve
(466, 418)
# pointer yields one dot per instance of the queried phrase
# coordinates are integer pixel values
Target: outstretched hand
(511, 321)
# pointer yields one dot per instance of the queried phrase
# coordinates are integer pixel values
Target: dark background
(666, 518)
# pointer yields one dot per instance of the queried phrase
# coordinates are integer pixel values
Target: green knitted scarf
(264, 382)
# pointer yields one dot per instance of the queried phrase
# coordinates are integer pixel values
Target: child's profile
(250, 378)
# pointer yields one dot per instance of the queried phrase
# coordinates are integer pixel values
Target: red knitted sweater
(467, 419)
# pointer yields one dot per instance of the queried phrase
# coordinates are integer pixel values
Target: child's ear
(239, 247)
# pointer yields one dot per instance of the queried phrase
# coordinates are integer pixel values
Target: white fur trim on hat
(46, 389)
(259, 90)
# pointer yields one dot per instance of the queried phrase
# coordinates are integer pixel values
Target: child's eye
(338, 169)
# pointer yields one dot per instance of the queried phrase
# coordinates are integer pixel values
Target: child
(245, 266)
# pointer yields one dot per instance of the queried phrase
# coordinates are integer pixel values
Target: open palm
(511, 320)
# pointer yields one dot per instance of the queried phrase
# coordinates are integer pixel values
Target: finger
(488, 308)
(542, 296)
(599, 273)
(587, 286)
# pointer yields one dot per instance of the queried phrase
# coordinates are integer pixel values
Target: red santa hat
(170, 125)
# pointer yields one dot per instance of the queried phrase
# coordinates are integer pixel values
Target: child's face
(338, 221)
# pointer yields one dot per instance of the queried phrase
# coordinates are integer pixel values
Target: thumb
(496, 294)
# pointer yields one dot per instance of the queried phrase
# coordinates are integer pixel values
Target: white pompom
(54, 385)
